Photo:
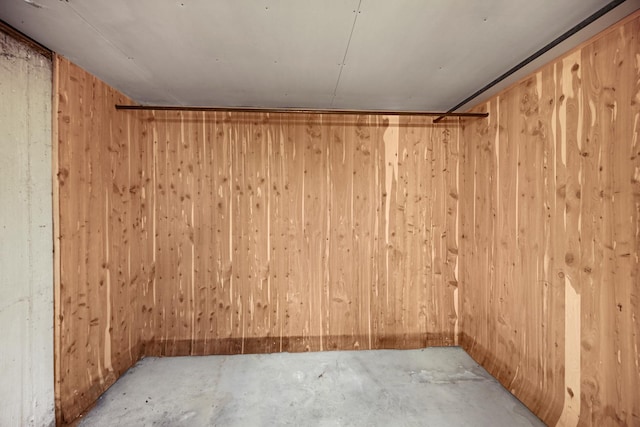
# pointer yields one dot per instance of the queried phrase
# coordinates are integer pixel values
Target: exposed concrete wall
(26, 258)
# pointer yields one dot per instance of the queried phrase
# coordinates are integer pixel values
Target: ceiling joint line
(346, 51)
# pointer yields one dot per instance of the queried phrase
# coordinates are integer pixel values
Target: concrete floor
(428, 387)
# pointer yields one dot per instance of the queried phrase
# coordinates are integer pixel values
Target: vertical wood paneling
(549, 235)
(310, 233)
(102, 221)
(314, 149)
(218, 233)
(341, 292)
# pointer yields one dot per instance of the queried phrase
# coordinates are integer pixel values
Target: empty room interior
(328, 213)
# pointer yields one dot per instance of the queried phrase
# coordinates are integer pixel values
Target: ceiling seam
(346, 51)
(123, 53)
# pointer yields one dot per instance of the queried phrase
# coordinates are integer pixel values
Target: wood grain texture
(193, 233)
(550, 234)
(103, 224)
(282, 232)
(219, 233)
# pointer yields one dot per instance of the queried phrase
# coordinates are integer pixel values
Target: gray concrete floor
(428, 387)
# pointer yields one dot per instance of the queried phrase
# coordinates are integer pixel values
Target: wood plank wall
(105, 261)
(278, 232)
(550, 235)
(217, 233)
(210, 233)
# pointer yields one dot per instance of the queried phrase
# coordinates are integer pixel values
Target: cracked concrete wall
(26, 256)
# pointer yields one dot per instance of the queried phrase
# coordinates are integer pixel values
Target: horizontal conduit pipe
(299, 111)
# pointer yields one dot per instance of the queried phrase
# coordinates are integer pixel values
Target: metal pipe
(299, 111)
(590, 19)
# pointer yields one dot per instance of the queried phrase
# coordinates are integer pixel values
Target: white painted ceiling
(356, 54)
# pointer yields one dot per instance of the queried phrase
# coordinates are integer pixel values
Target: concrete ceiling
(358, 54)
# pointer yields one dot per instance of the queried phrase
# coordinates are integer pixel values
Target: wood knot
(569, 258)
(63, 174)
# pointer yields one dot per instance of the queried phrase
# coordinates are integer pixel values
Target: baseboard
(294, 344)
